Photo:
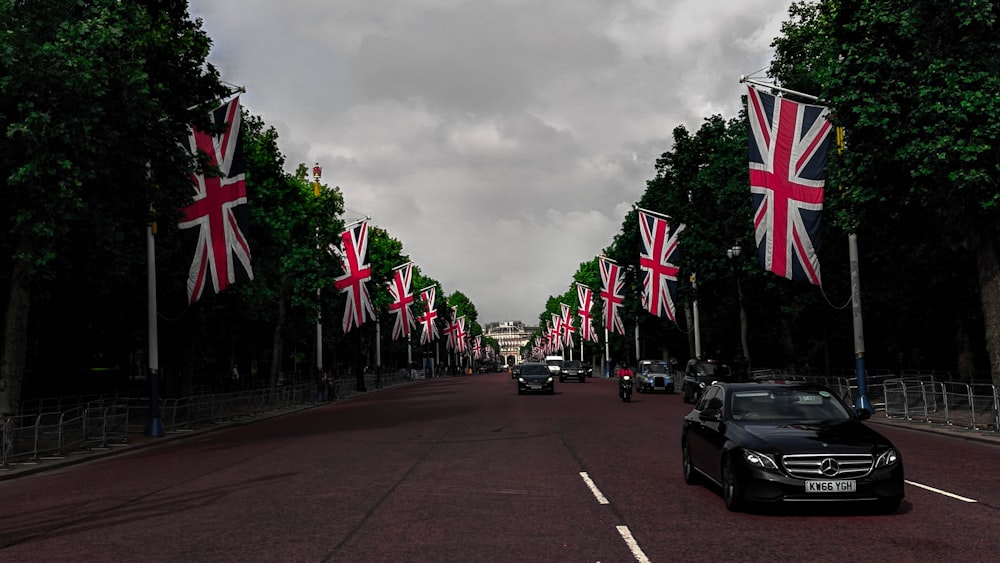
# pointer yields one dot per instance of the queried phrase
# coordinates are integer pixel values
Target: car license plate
(659, 388)
(831, 486)
(535, 386)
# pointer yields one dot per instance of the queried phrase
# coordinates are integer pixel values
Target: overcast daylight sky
(501, 141)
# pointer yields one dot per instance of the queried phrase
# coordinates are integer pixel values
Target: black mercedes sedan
(786, 442)
(535, 377)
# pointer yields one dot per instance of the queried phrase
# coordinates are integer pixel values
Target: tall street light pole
(734, 254)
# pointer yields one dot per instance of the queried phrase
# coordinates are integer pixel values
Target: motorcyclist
(623, 372)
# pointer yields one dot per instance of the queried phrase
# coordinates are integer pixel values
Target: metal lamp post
(733, 254)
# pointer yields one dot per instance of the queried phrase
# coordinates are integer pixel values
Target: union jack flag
(219, 210)
(612, 286)
(402, 300)
(657, 262)
(787, 152)
(477, 348)
(356, 273)
(460, 335)
(451, 330)
(586, 297)
(555, 333)
(427, 320)
(567, 325)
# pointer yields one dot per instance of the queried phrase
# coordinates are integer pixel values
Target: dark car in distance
(699, 374)
(572, 369)
(534, 377)
(788, 442)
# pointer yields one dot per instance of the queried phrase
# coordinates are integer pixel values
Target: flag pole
(317, 174)
(862, 402)
(154, 425)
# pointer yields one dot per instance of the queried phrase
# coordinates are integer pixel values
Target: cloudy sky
(501, 141)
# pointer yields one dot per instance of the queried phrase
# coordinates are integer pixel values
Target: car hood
(535, 378)
(848, 436)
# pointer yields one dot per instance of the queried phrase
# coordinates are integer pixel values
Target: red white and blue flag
(612, 292)
(356, 273)
(658, 263)
(427, 320)
(567, 325)
(586, 297)
(402, 301)
(477, 348)
(787, 151)
(219, 210)
(451, 330)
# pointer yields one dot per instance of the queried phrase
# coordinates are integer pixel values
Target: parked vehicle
(654, 376)
(534, 377)
(699, 374)
(794, 441)
(572, 369)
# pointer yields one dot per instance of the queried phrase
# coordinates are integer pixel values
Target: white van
(555, 364)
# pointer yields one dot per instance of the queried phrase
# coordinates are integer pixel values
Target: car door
(710, 432)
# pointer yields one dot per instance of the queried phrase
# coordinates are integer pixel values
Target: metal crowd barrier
(975, 406)
(56, 427)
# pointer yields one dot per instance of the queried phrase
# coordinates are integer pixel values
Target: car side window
(710, 399)
(715, 400)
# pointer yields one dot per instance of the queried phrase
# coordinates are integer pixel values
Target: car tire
(690, 473)
(732, 488)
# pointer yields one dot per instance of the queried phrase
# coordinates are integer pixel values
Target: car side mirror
(863, 413)
(709, 415)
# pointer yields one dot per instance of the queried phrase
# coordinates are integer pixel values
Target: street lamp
(733, 254)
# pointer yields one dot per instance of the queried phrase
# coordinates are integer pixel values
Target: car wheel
(690, 474)
(732, 489)
(519, 392)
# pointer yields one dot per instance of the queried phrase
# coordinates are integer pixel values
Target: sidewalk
(135, 440)
(957, 432)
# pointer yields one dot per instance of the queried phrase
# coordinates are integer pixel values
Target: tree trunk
(15, 335)
(277, 342)
(989, 296)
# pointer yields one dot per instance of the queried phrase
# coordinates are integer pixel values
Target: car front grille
(659, 381)
(828, 466)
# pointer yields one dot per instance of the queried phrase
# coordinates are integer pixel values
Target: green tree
(95, 97)
(914, 85)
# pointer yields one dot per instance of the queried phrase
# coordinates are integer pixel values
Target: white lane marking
(593, 488)
(632, 544)
(940, 492)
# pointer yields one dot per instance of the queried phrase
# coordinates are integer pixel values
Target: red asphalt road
(464, 469)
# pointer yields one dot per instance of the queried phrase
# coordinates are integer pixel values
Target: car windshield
(534, 369)
(655, 368)
(554, 362)
(787, 404)
(571, 364)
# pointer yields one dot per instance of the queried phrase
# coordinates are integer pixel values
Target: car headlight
(520, 379)
(549, 380)
(887, 458)
(757, 459)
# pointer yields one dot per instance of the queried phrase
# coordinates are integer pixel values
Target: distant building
(512, 337)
